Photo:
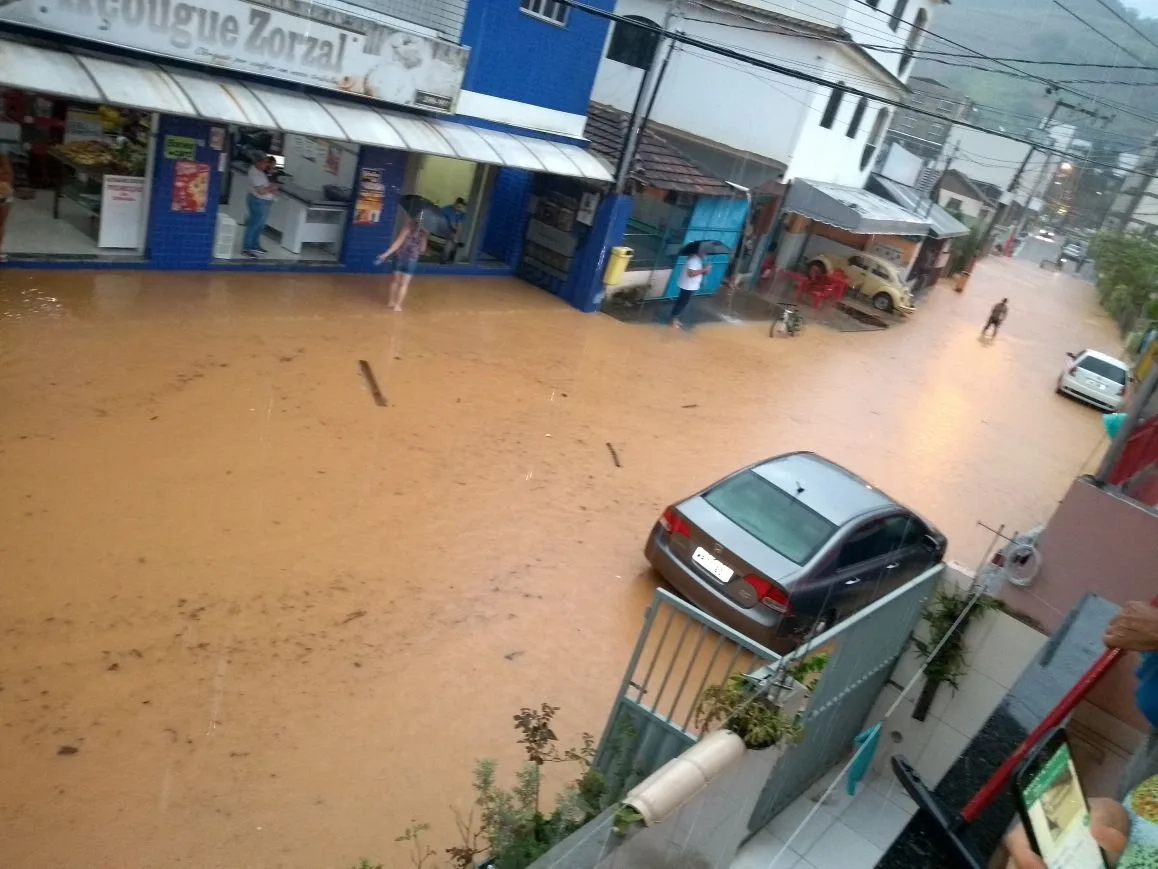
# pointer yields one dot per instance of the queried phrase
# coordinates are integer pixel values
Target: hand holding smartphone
(1054, 809)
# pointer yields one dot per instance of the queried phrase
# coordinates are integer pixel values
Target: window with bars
(548, 10)
(857, 117)
(829, 117)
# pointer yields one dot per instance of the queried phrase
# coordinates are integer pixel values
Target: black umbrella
(426, 214)
(705, 248)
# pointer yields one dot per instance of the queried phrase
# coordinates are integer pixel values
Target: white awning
(296, 113)
(364, 126)
(51, 72)
(105, 79)
(512, 151)
(221, 100)
(143, 86)
(419, 135)
(467, 143)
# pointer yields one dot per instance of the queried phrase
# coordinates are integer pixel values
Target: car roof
(1105, 357)
(835, 493)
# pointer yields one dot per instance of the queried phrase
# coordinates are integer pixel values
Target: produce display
(103, 157)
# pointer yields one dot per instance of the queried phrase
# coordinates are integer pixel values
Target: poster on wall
(333, 159)
(82, 125)
(122, 211)
(588, 205)
(190, 186)
(304, 43)
(371, 197)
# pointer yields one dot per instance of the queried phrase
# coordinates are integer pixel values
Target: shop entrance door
(713, 219)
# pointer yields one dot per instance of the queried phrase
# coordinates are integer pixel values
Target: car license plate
(712, 564)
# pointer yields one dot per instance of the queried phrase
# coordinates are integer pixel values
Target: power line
(1108, 39)
(812, 79)
(1125, 21)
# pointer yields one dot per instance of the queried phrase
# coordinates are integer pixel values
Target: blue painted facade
(516, 56)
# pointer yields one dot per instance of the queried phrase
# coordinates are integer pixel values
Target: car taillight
(673, 523)
(770, 594)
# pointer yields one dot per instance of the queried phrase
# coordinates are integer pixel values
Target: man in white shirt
(690, 281)
(262, 193)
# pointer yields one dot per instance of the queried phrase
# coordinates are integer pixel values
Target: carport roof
(942, 223)
(851, 209)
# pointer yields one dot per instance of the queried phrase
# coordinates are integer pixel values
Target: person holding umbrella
(408, 246)
(690, 280)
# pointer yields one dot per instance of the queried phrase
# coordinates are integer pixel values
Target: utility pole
(645, 99)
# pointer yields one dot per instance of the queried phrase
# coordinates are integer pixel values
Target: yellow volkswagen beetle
(874, 278)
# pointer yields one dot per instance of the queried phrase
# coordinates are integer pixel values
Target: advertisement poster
(217, 138)
(371, 197)
(122, 211)
(333, 159)
(303, 43)
(180, 148)
(190, 186)
(81, 125)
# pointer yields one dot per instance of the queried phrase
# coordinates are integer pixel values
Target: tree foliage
(1127, 274)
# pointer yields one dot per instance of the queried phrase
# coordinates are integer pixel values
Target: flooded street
(250, 618)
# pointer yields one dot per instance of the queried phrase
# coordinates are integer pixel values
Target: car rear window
(1102, 368)
(771, 515)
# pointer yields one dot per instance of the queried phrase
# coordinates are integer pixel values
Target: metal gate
(862, 652)
(681, 650)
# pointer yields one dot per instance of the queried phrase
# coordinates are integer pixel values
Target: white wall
(994, 159)
(749, 109)
(312, 173)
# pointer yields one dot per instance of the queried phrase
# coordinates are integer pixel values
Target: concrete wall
(752, 110)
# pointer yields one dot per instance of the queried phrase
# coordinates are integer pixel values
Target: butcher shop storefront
(250, 134)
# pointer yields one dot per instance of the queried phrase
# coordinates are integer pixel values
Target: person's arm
(695, 273)
(1134, 628)
(399, 240)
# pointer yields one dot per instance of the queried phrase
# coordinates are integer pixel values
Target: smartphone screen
(1055, 810)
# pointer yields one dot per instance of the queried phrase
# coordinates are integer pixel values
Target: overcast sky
(1148, 8)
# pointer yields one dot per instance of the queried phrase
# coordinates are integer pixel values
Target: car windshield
(1102, 368)
(771, 515)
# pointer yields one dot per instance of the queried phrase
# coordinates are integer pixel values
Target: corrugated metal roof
(657, 163)
(221, 100)
(419, 135)
(943, 224)
(851, 209)
(295, 113)
(467, 143)
(364, 126)
(512, 150)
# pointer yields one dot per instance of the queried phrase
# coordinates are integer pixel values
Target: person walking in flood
(996, 318)
(408, 246)
(690, 281)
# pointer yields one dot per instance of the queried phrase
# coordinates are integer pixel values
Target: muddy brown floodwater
(249, 618)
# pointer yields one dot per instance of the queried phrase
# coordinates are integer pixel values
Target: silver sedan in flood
(784, 549)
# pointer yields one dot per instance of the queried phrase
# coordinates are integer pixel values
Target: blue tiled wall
(182, 240)
(507, 222)
(519, 57)
(363, 243)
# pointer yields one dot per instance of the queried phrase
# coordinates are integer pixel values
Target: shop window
(829, 117)
(898, 14)
(911, 43)
(874, 138)
(76, 176)
(857, 117)
(286, 197)
(549, 10)
(631, 44)
(656, 229)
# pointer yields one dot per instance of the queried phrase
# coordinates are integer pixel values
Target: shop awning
(942, 224)
(97, 78)
(851, 209)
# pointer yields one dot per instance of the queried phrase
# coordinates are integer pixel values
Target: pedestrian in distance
(996, 318)
(690, 281)
(407, 247)
(262, 193)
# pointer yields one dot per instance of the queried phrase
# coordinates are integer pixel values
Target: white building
(761, 124)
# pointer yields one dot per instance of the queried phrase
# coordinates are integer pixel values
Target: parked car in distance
(872, 277)
(1096, 379)
(784, 549)
(1046, 234)
(1074, 250)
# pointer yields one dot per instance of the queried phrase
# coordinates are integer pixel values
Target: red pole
(1000, 779)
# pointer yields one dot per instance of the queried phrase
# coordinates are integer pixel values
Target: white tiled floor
(31, 228)
(843, 833)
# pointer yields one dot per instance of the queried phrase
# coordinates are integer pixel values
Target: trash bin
(616, 265)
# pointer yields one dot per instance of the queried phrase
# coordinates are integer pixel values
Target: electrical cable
(1108, 39)
(1125, 21)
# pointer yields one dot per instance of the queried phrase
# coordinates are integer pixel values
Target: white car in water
(1096, 379)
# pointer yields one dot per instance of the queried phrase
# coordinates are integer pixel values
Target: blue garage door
(714, 219)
